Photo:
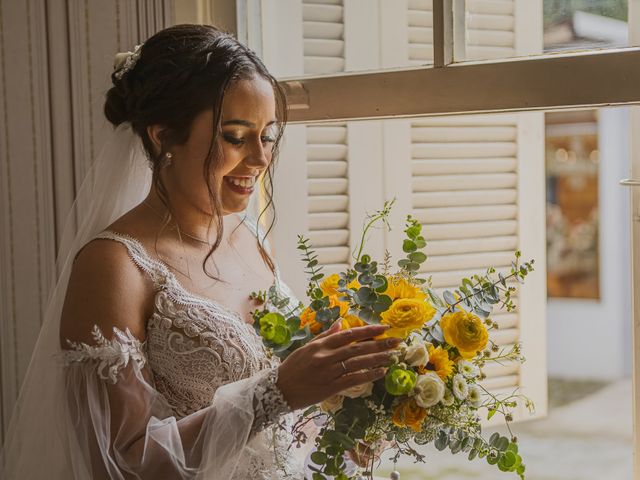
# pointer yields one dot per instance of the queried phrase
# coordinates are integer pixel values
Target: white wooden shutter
(491, 29)
(327, 146)
(324, 168)
(476, 183)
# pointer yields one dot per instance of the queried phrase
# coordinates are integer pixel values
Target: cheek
(229, 161)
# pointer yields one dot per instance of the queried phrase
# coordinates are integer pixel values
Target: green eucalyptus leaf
(409, 246)
(417, 257)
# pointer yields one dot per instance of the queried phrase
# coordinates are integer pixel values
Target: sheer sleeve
(125, 429)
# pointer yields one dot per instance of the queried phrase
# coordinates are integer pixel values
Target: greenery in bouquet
(432, 392)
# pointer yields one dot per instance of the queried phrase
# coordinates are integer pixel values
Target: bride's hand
(364, 452)
(334, 361)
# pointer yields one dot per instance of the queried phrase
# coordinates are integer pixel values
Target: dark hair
(182, 71)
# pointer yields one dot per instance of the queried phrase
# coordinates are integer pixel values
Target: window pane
(482, 186)
(511, 28)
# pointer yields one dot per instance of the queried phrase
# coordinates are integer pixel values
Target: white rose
(468, 369)
(332, 404)
(448, 398)
(358, 391)
(417, 354)
(460, 387)
(475, 396)
(429, 390)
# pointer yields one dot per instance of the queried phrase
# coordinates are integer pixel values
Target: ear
(155, 133)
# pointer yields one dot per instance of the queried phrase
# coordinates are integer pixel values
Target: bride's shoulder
(106, 289)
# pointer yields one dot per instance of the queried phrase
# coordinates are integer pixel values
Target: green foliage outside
(559, 10)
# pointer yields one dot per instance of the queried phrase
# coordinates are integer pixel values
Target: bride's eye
(267, 139)
(233, 140)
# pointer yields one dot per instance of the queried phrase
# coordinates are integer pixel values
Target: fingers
(364, 362)
(331, 330)
(359, 378)
(355, 334)
(365, 348)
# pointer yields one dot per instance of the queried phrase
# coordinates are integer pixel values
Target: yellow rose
(409, 414)
(308, 317)
(399, 288)
(351, 321)
(406, 315)
(466, 332)
(329, 285)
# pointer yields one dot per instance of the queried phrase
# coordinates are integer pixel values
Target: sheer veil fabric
(77, 423)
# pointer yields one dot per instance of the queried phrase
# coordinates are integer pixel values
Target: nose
(259, 156)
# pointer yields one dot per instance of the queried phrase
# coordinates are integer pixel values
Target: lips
(241, 185)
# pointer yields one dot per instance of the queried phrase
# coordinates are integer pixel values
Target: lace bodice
(193, 346)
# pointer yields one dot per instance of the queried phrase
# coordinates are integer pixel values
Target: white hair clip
(125, 61)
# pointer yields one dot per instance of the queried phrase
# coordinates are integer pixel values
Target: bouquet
(432, 392)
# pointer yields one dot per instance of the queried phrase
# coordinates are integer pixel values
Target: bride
(147, 365)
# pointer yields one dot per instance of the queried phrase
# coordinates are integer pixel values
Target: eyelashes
(241, 141)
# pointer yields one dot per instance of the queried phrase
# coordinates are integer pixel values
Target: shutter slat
(488, 53)
(506, 320)
(463, 165)
(483, 21)
(419, 18)
(492, 369)
(464, 197)
(323, 47)
(418, 51)
(326, 152)
(471, 230)
(491, 38)
(434, 216)
(332, 255)
(501, 382)
(499, 133)
(332, 268)
(491, 244)
(328, 186)
(322, 13)
(507, 336)
(421, 35)
(323, 30)
(446, 279)
(420, 5)
(466, 261)
(327, 134)
(328, 203)
(329, 238)
(319, 65)
(327, 168)
(495, 7)
(464, 182)
(328, 221)
(464, 150)
(322, 2)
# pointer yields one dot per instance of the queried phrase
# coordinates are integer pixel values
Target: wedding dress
(197, 399)
(194, 346)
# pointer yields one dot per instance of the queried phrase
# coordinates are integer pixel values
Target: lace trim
(164, 279)
(111, 356)
(268, 401)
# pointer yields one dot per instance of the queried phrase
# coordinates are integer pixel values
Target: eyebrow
(245, 123)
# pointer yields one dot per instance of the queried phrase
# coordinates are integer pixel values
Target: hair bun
(115, 107)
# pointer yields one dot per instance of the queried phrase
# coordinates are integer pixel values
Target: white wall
(591, 339)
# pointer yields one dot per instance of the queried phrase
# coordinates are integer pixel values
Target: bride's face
(249, 128)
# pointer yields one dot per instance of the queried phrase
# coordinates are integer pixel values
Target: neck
(187, 217)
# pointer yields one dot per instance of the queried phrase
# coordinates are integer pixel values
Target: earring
(168, 157)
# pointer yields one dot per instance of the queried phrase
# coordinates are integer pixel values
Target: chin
(234, 207)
